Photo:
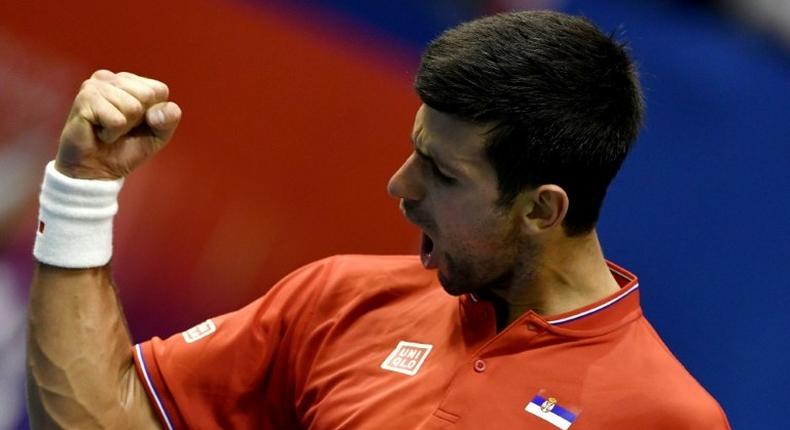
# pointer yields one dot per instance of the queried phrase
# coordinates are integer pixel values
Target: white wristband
(75, 220)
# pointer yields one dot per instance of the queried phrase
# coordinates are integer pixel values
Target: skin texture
(80, 370)
(519, 257)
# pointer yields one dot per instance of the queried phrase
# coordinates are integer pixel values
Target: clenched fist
(117, 121)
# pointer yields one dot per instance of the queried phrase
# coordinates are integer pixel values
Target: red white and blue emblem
(549, 409)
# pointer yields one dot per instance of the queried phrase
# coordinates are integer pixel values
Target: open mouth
(426, 252)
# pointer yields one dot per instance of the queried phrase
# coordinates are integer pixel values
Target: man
(526, 118)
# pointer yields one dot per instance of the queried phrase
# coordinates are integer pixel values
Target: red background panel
(289, 136)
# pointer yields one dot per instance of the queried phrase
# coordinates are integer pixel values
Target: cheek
(473, 232)
(468, 218)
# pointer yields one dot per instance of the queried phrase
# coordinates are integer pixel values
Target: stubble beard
(492, 277)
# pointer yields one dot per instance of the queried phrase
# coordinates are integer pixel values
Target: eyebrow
(443, 167)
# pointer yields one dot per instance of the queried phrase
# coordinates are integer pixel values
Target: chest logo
(549, 409)
(407, 357)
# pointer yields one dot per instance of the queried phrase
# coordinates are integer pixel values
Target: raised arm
(79, 361)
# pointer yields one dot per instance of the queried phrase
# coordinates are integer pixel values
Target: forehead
(443, 136)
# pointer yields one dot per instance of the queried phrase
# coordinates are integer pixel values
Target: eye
(441, 176)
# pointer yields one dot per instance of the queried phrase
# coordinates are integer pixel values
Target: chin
(453, 288)
(462, 282)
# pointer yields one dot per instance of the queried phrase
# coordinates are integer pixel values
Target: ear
(546, 209)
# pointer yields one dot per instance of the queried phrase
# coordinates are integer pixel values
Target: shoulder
(367, 265)
(355, 275)
(692, 410)
(344, 293)
(380, 270)
(341, 276)
(666, 391)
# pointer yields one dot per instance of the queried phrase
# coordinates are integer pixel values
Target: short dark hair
(563, 97)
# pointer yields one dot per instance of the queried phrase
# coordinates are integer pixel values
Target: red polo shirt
(371, 342)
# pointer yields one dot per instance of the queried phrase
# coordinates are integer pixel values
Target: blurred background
(297, 112)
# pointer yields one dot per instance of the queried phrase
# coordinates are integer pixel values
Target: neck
(568, 273)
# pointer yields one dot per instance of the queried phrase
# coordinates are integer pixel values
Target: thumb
(163, 119)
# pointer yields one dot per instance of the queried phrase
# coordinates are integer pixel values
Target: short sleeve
(233, 371)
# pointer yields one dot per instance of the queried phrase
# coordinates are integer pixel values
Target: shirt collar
(605, 314)
(596, 318)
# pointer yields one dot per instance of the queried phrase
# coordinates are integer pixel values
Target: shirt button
(480, 366)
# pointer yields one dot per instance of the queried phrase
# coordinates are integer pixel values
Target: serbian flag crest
(548, 408)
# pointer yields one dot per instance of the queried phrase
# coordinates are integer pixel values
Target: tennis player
(510, 317)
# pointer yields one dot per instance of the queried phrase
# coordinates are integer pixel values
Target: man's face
(448, 188)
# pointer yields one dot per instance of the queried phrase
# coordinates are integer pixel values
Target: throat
(558, 296)
(504, 311)
(504, 315)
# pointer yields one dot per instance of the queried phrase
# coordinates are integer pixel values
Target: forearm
(79, 366)
(80, 370)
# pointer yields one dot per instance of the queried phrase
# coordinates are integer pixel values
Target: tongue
(426, 252)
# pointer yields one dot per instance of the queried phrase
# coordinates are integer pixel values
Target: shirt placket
(486, 348)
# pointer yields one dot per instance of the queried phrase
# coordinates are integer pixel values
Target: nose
(406, 182)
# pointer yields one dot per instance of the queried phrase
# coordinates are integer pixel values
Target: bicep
(141, 413)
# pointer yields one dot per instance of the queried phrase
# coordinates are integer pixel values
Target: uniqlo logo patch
(407, 357)
(199, 331)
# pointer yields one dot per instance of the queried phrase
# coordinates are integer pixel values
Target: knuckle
(135, 109)
(162, 89)
(83, 112)
(147, 94)
(114, 122)
(102, 74)
(86, 96)
(88, 83)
